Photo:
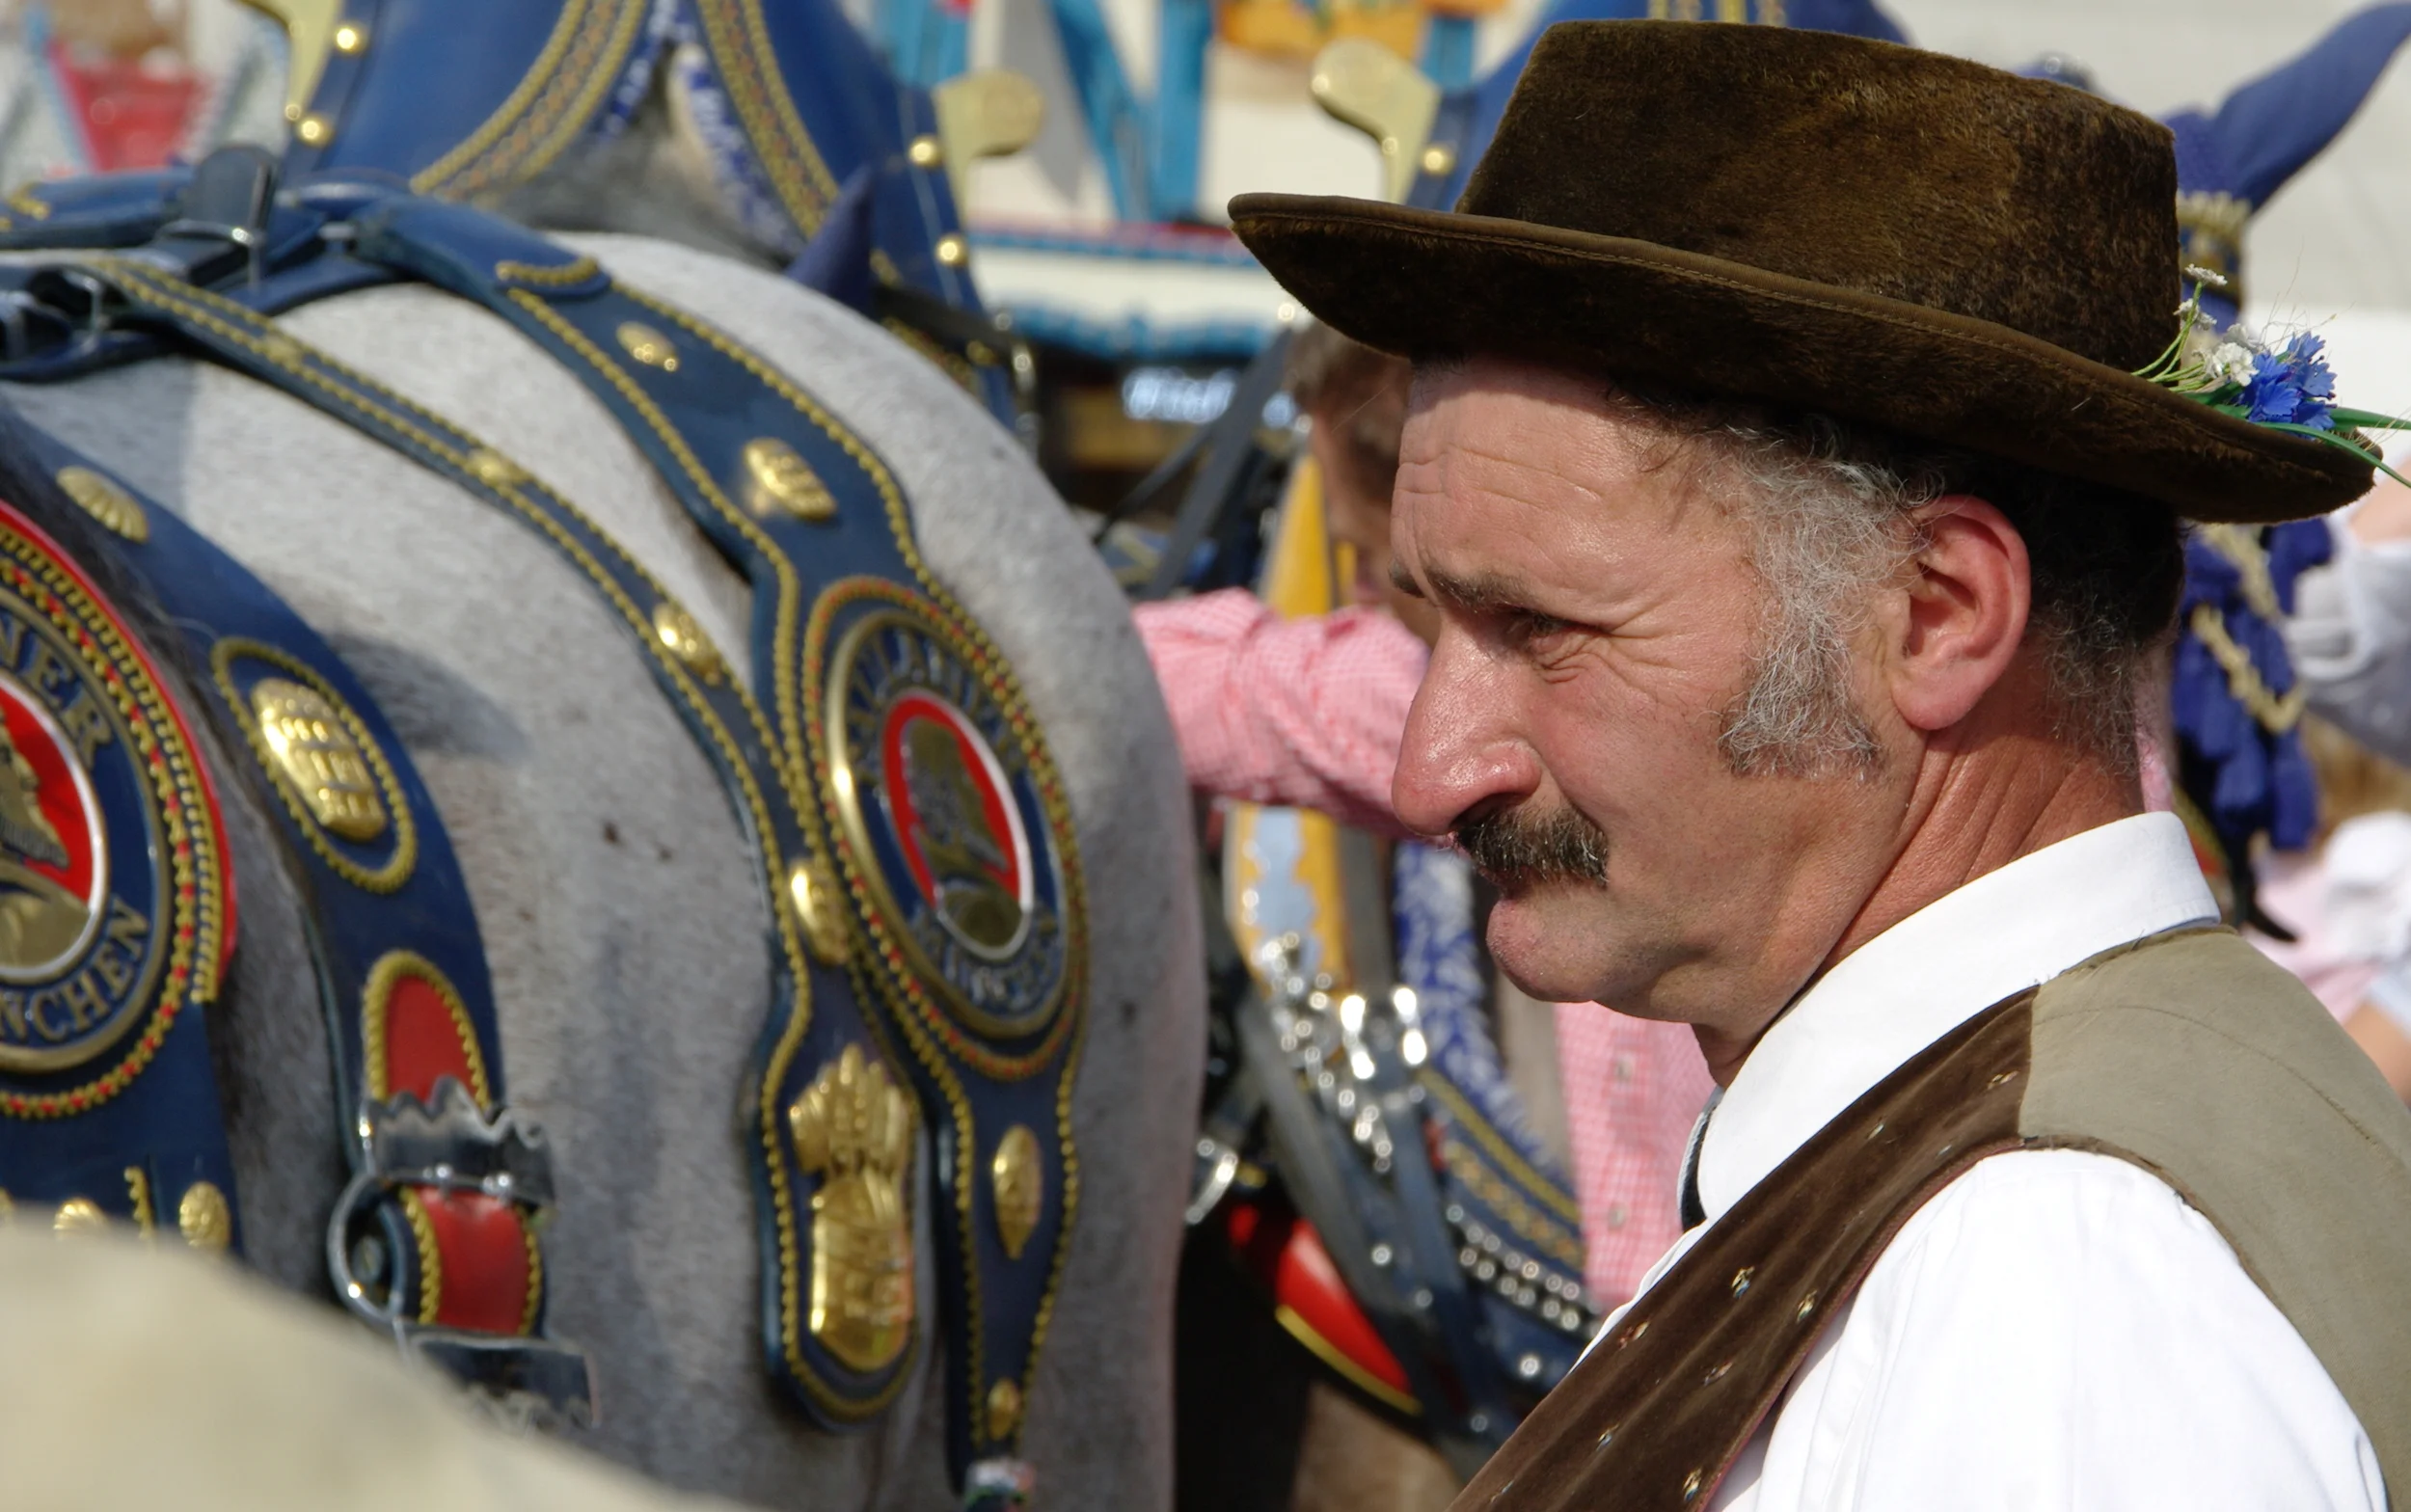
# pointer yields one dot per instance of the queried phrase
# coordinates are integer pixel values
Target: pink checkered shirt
(1634, 1088)
(1308, 713)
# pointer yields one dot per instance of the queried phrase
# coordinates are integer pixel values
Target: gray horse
(620, 905)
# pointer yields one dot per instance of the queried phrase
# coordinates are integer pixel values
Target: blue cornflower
(2291, 386)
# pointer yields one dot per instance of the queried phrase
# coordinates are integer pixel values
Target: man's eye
(1526, 628)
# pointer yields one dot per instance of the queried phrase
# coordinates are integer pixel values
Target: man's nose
(1460, 756)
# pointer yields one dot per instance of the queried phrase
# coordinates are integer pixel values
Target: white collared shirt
(2055, 1329)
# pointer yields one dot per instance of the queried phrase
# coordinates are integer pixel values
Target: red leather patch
(421, 1040)
(484, 1254)
(482, 1275)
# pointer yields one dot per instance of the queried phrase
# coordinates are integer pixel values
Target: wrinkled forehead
(1552, 435)
(1507, 468)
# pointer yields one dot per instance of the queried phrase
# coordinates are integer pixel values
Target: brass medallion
(1004, 1409)
(853, 1127)
(942, 789)
(821, 909)
(648, 345)
(311, 747)
(204, 1219)
(684, 638)
(344, 797)
(79, 1216)
(1017, 1177)
(784, 483)
(99, 497)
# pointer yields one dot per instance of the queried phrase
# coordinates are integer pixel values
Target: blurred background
(1141, 313)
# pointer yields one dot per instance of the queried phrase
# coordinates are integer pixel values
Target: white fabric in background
(2350, 638)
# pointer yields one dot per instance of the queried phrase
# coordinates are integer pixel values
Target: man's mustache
(1515, 848)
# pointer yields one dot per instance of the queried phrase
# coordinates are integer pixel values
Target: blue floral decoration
(2293, 385)
(2286, 386)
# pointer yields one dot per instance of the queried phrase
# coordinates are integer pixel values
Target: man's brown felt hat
(1879, 233)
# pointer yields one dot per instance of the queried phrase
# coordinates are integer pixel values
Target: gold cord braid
(2240, 547)
(2276, 714)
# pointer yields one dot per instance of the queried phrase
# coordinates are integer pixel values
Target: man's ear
(1967, 592)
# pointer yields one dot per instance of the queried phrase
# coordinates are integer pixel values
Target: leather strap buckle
(454, 1145)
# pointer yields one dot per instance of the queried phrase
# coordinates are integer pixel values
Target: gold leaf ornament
(781, 482)
(1018, 1177)
(853, 1127)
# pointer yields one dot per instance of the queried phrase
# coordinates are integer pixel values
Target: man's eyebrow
(1482, 593)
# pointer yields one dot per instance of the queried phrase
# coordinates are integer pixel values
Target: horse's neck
(650, 180)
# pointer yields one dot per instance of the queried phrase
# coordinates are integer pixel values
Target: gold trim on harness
(582, 62)
(740, 44)
(101, 496)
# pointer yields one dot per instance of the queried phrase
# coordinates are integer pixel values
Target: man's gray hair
(1831, 512)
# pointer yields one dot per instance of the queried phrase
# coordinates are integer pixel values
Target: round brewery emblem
(941, 797)
(110, 890)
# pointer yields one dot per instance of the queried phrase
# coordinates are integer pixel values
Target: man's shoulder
(2058, 1217)
(2189, 1050)
(2104, 1256)
(2057, 1319)
(2193, 1058)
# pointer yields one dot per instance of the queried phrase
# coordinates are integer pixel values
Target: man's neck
(1984, 817)
(1968, 814)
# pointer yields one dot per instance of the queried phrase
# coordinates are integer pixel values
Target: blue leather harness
(465, 100)
(912, 837)
(383, 896)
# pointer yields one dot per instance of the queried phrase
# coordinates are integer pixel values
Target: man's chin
(1546, 942)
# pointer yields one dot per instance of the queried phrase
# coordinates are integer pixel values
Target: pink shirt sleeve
(1306, 712)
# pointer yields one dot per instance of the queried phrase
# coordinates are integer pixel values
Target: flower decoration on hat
(2282, 383)
(2236, 706)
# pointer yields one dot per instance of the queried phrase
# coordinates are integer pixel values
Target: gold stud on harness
(99, 497)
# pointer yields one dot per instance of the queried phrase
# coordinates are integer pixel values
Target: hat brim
(1426, 283)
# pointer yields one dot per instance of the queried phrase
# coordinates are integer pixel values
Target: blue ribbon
(1186, 27)
(924, 44)
(1116, 124)
(1449, 51)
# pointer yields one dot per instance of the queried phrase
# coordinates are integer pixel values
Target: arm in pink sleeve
(1306, 712)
